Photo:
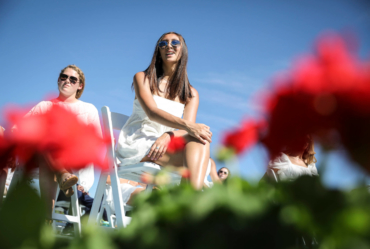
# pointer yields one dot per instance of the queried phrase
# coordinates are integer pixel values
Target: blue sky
(235, 48)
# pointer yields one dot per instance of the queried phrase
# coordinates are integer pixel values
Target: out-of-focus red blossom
(176, 144)
(146, 178)
(185, 173)
(326, 94)
(57, 135)
(327, 91)
(245, 136)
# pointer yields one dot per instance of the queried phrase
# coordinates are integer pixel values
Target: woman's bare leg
(195, 157)
(48, 188)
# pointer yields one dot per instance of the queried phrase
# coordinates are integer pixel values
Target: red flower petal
(176, 144)
(61, 135)
(244, 137)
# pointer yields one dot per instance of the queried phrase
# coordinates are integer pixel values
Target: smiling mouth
(170, 53)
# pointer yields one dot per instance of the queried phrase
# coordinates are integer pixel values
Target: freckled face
(65, 86)
(170, 53)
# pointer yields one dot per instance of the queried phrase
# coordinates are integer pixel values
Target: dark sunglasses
(174, 43)
(223, 172)
(72, 79)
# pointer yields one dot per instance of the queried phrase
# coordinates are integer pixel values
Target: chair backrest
(112, 121)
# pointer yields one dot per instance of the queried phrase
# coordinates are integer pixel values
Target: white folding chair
(111, 121)
(74, 218)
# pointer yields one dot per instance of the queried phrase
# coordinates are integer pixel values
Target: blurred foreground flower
(327, 92)
(164, 176)
(244, 137)
(146, 178)
(324, 94)
(185, 173)
(57, 136)
(176, 144)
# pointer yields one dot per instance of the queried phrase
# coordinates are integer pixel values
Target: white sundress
(139, 133)
(286, 170)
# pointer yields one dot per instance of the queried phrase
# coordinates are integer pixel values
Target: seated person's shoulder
(40, 108)
(195, 96)
(139, 77)
(279, 162)
(90, 107)
(194, 92)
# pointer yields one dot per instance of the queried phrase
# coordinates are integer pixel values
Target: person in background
(128, 189)
(216, 176)
(71, 84)
(83, 199)
(223, 174)
(295, 161)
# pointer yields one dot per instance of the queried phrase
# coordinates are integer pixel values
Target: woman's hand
(159, 147)
(201, 132)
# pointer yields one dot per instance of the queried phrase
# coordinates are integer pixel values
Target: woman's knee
(192, 140)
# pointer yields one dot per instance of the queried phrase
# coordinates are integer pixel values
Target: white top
(139, 133)
(286, 170)
(88, 115)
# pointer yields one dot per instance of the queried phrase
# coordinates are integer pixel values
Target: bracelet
(171, 134)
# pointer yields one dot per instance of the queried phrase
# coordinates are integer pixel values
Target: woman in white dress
(295, 161)
(163, 95)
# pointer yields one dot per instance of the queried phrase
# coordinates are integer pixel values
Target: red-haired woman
(164, 95)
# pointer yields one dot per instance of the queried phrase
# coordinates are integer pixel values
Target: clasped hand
(201, 132)
(159, 147)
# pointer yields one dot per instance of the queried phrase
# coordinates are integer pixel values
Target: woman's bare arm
(143, 94)
(190, 112)
(213, 173)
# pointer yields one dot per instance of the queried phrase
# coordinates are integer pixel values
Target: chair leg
(103, 205)
(118, 202)
(106, 205)
(76, 210)
(93, 217)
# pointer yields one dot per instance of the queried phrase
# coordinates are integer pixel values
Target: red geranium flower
(176, 144)
(244, 137)
(326, 91)
(57, 135)
(185, 173)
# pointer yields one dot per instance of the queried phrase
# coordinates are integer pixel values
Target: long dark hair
(178, 84)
